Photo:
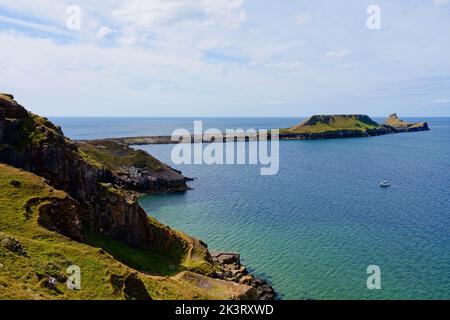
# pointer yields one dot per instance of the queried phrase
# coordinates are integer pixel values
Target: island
(313, 128)
(348, 126)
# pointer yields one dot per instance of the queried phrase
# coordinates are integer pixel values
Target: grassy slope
(7, 97)
(114, 156)
(395, 122)
(49, 250)
(337, 123)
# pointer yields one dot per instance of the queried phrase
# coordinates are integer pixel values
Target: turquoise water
(313, 228)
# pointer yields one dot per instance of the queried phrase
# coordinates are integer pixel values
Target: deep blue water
(96, 128)
(313, 228)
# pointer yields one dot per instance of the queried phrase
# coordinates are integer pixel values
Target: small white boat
(385, 184)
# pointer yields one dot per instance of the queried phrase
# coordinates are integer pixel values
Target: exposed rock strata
(231, 269)
(134, 169)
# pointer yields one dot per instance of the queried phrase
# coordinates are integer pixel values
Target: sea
(316, 227)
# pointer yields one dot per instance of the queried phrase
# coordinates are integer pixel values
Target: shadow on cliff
(157, 262)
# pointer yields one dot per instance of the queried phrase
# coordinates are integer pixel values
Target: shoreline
(232, 270)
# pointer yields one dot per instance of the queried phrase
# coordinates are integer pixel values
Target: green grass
(117, 157)
(19, 274)
(324, 124)
(35, 130)
(49, 254)
(395, 122)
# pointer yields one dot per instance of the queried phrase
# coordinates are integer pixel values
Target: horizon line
(231, 117)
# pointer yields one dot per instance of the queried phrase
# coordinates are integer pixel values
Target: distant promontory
(313, 128)
(348, 126)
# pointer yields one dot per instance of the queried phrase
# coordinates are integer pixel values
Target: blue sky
(226, 57)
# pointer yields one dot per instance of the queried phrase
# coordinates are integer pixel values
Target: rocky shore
(231, 269)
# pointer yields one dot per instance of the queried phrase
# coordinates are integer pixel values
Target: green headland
(64, 203)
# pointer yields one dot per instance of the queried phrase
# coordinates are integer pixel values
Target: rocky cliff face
(404, 126)
(36, 145)
(133, 169)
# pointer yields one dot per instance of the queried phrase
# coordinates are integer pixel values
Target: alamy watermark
(374, 20)
(74, 277)
(235, 146)
(374, 280)
(73, 17)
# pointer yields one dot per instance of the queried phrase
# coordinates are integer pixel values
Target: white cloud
(286, 65)
(337, 54)
(144, 18)
(274, 102)
(49, 10)
(103, 32)
(35, 26)
(440, 3)
(153, 55)
(442, 101)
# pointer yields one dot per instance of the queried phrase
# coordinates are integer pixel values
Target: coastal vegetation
(61, 206)
(399, 124)
(321, 124)
(30, 254)
(116, 157)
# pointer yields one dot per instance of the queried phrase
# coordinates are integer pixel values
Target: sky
(226, 58)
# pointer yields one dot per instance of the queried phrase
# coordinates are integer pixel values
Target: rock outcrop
(133, 169)
(404, 126)
(130, 286)
(13, 245)
(67, 224)
(231, 269)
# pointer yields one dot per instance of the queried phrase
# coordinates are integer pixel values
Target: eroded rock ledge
(231, 269)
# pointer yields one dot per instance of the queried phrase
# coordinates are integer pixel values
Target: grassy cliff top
(9, 98)
(395, 122)
(118, 157)
(29, 254)
(31, 129)
(330, 123)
